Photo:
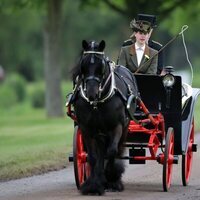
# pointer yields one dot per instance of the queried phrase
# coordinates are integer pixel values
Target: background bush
(18, 84)
(38, 97)
(8, 97)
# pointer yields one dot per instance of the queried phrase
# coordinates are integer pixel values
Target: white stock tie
(139, 53)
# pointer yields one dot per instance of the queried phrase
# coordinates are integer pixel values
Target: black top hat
(142, 26)
(149, 18)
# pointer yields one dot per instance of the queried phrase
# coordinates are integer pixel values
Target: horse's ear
(84, 44)
(102, 45)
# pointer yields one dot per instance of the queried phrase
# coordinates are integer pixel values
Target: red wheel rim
(80, 157)
(168, 159)
(187, 158)
(81, 167)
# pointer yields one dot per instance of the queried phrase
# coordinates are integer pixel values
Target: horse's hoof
(115, 186)
(94, 191)
(92, 188)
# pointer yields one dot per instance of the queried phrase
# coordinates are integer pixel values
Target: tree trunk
(52, 36)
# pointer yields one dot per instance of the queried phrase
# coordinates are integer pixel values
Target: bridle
(102, 86)
(94, 53)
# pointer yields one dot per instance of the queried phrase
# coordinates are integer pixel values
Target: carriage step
(194, 147)
(71, 158)
(137, 145)
(134, 153)
(132, 160)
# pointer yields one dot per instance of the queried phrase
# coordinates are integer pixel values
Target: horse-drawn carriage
(156, 125)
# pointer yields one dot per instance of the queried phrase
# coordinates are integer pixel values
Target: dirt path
(142, 182)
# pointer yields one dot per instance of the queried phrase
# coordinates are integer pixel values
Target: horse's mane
(76, 69)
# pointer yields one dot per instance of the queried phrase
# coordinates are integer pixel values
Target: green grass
(32, 144)
(197, 115)
(196, 84)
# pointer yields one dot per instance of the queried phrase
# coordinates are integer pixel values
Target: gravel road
(142, 182)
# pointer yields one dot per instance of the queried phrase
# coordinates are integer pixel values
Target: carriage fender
(187, 117)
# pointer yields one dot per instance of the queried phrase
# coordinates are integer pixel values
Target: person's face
(141, 37)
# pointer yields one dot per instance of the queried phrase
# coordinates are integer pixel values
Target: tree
(52, 36)
(130, 8)
(52, 29)
(171, 15)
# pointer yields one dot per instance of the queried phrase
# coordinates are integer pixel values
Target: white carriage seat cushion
(186, 93)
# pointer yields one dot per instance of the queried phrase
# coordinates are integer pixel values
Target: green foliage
(67, 87)
(196, 73)
(91, 24)
(8, 97)
(18, 84)
(38, 97)
(22, 23)
(30, 143)
(184, 15)
(16, 6)
(130, 8)
(197, 115)
(21, 43)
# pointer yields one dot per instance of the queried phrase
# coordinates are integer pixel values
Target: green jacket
(128, 58)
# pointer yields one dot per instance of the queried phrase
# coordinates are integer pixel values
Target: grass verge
(30, 143)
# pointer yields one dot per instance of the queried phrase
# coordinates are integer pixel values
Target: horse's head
(92, 68)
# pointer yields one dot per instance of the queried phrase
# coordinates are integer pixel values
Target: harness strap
(121, 95)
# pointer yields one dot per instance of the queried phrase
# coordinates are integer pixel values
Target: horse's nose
(92, 94)
(92, 90)
(92, 97)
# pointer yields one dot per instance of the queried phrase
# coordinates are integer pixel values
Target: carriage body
(168, 114)
(178, 115)
(154, 96)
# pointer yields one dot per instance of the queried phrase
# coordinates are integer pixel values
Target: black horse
(100, 98)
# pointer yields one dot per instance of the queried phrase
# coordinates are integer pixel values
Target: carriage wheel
(81, 166)
(168, 159)
(187, 158)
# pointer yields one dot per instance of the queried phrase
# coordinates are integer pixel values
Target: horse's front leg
(114, 167)
(95, 183)
(114, 137)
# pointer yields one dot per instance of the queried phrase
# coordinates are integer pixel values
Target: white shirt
(139, 53)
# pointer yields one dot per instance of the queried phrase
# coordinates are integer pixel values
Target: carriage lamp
(168, 80)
